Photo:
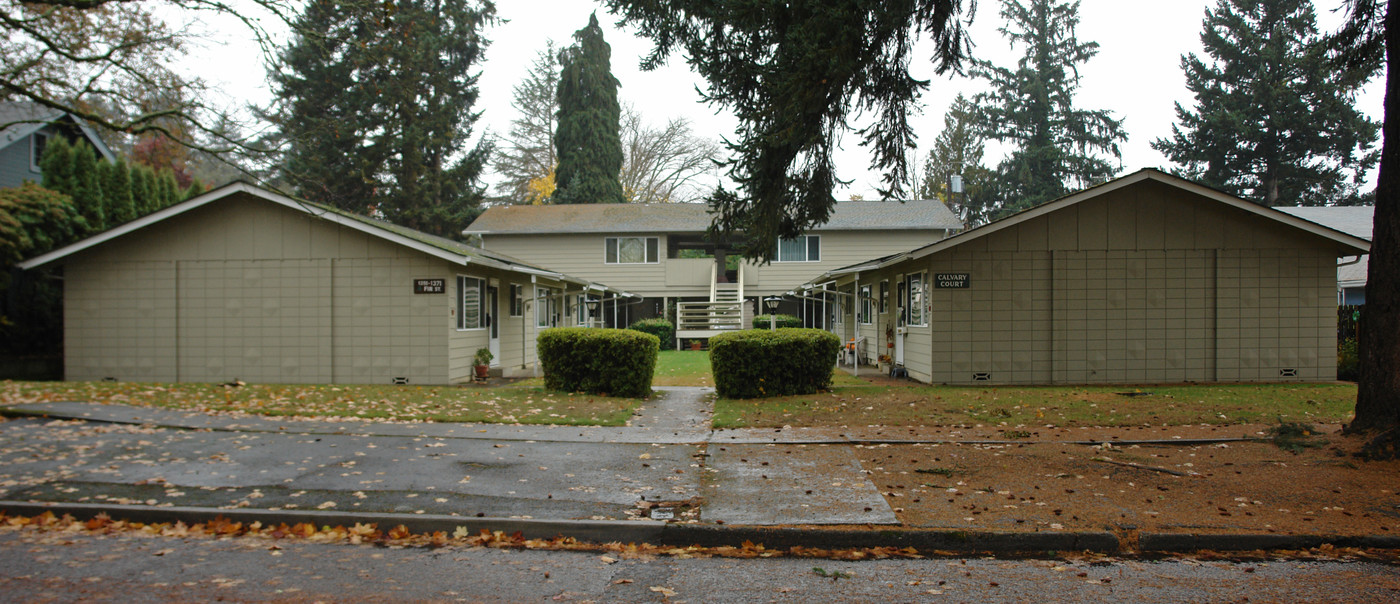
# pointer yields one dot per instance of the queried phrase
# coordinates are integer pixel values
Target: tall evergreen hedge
(758, 363)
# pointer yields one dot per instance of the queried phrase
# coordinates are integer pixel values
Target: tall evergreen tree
(1031, 107)
(586, 138)
(87, 188)
(1273, 122)
(526, 155)
(116, 192)
(375, 103)
(958, 151)
(56, 164)
(794, 72)
(168, 189)
(143, 189)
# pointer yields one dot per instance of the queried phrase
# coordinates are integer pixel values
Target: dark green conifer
(586, 137)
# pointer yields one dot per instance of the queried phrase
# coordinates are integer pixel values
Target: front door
(493, 325)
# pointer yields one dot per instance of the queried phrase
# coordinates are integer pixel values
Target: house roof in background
(695, 217)
(440, 247)
(25, 118)
(1353, 220)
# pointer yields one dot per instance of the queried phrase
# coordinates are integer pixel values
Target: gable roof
(19, 119)
(1351, 242)
(1355, 220)
(439, 247)
(695, 217)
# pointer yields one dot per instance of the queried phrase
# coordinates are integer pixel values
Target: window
(864, 305)
(545, 307)
(914, 305)
(631, 250)
(884, 297)
(471, 303)
(517, 300)
(37, 143)
(804, 248)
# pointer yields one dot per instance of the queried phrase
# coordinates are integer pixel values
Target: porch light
(772, 304)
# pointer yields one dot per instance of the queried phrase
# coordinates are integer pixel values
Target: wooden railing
(709, 316)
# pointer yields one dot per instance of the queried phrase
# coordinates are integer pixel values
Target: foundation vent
(400, 380)
(1288, 373)
(982, 376)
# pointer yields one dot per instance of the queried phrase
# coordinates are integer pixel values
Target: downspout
(534, 297)
(855, 332)
(1341, 295)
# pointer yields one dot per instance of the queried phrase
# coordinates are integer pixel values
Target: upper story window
(37, 143)
(804, 248)
(631, 250)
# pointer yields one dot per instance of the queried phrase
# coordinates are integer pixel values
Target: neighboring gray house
(1352, 220)
(662, 252)
(25, 128)
(1144, 279)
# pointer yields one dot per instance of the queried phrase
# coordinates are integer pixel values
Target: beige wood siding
(1144, 284)
(246, 289)
(582, 256)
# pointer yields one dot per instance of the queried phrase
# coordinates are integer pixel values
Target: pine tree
(1031, 107)
(116, 192)
(586, 138)
(958, 150)
(526, 155)
(794, 73)
(376, 106)
(87, 188)
(1272, 122)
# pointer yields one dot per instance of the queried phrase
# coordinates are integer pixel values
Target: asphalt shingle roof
(695, 217)
(1352, 220)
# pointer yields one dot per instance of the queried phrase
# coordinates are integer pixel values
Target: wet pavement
(665, 457)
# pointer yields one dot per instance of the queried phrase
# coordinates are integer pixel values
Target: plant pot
(695, 344)
(482, 371)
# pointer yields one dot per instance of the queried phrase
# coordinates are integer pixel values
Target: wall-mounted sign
(950, 280)
(429, 286)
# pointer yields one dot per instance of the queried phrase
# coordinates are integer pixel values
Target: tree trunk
(1378, 395)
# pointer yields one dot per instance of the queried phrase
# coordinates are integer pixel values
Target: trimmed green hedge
(661, 328)
(761, 321)
(761, 363)
(612, 362)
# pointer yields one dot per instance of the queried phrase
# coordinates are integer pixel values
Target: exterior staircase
(726, 311)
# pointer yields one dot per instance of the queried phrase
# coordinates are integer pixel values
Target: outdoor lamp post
(592, 304)
(772, 304)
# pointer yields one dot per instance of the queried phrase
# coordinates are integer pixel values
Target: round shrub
(612, 362)
(661, 328)
(761, 363)
(761, 321)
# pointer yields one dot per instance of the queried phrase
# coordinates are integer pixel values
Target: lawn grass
(525, 403)
(1215, 404)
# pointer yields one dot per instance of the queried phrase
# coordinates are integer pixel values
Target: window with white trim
(803, 248)
(884, 296)
(864, 304)
(631, 250)
(914, 305)
(37, 143)
(544, 306)
(471, 303)
(517, 300)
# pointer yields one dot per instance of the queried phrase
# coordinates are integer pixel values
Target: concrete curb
(710, 438)
(623, 531)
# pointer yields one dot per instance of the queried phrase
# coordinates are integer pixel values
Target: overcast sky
(1136, 75)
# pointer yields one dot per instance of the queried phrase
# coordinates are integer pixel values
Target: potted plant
(885, 363)
(482, 362)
